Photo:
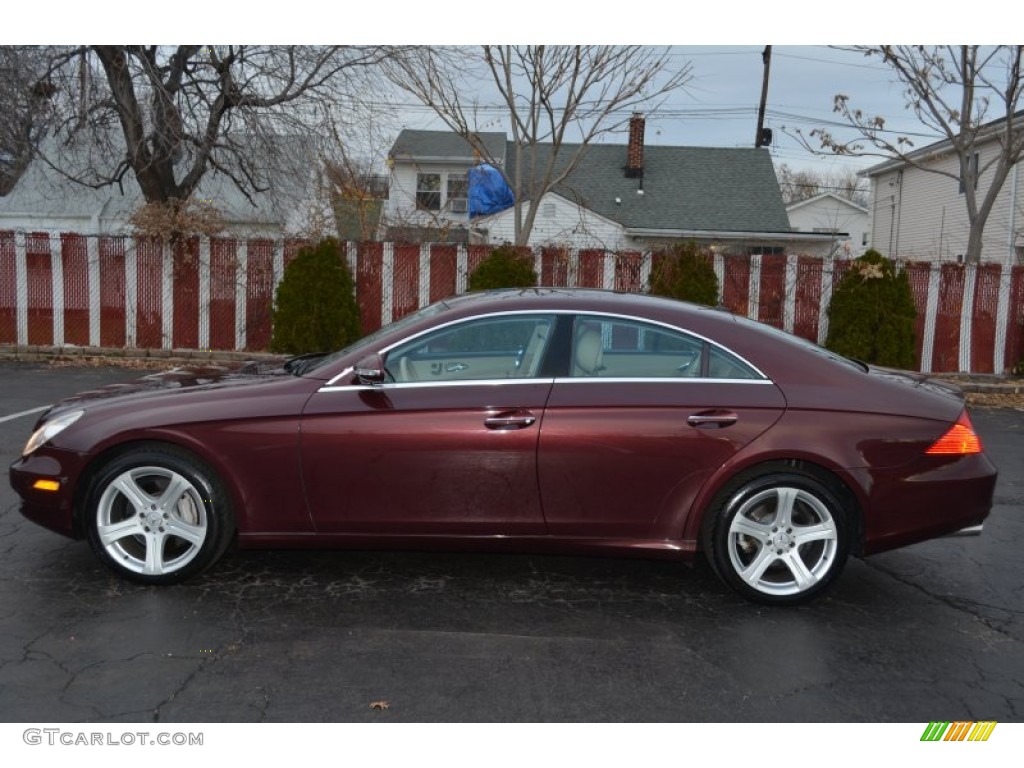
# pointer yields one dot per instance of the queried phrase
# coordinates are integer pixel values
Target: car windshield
(314, 363)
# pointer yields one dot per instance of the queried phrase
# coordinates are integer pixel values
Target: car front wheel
(779, 538)
(158, 516)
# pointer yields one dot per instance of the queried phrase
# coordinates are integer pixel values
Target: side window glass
(612, 348)
(483, 349)
(723, 365)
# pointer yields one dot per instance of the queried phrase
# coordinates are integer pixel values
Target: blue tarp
(488, 191)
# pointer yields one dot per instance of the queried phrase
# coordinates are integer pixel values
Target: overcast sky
(723, 42)
(718, 108)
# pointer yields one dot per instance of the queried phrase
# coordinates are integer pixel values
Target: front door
(448, 445)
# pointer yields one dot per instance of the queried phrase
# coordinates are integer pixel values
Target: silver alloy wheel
(782, 541)
(151, 520)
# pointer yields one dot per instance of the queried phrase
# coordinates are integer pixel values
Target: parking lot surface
(930, 632)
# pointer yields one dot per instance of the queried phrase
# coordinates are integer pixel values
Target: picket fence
(61, 289)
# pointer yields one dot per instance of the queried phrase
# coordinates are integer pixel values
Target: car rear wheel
(779, 537)
(158, 516)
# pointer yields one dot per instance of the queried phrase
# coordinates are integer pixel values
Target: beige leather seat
(531, 357)
(588, 353)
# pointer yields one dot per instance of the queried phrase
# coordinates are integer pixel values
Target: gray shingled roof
(413, 144)
(690, 188)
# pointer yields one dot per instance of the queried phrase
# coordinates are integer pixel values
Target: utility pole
(766, 57)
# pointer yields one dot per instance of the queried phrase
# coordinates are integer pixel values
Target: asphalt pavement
(931, 632)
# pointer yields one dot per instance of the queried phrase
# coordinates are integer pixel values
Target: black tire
(158, 515)
(778, 538)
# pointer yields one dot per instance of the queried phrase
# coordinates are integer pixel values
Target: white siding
(33, 223)
(831, 213)
(922, 216)
(559, 222)
(402, 209)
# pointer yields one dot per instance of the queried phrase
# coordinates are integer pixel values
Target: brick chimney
(635, 149)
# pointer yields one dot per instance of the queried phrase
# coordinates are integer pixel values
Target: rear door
(645, 415)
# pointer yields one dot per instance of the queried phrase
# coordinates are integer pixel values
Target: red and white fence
(69, 289)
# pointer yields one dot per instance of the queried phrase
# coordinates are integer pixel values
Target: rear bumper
(933, 497)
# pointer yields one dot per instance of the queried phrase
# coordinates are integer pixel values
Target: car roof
(577, 299)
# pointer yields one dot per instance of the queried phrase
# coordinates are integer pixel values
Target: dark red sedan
(533, 420)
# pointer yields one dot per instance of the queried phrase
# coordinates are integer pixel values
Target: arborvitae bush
(504, 267)
(315, 308)
(687, 274)
(872, 314)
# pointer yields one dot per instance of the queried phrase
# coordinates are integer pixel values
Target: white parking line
(23, 413)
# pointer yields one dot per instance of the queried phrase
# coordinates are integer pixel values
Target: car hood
(182, 378)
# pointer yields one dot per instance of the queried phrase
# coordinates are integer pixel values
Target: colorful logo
(959, 731)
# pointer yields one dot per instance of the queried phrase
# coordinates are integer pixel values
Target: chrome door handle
(712, 419)
(517, 420)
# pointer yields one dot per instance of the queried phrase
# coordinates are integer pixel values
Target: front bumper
(53, 509)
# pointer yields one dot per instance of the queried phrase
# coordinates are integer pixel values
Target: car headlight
(50, 430)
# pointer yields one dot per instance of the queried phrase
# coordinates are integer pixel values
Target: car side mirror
(370, 370)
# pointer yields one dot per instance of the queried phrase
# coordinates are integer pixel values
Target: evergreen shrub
(872, 314)
(504, 267)
(315, 309)
(687, 274)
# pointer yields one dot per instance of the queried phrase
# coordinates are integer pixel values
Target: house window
(458, 188)
(974, 165)
(864, 239)
(428, 191)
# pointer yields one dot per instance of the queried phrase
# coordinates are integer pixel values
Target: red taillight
(959, 440)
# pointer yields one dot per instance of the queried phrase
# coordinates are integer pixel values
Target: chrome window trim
(346, 372)
(422, 384)
(655, 380)
(519, 382)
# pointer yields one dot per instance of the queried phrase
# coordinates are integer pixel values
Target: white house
(294, 202)
(849, 224)
(428, 193)
(921, 215)
(617, 197)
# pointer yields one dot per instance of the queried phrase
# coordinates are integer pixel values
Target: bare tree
(557, 101)
(358, 195)
(24, 109)
(170, 115)
(798, 185)
(969, 95)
